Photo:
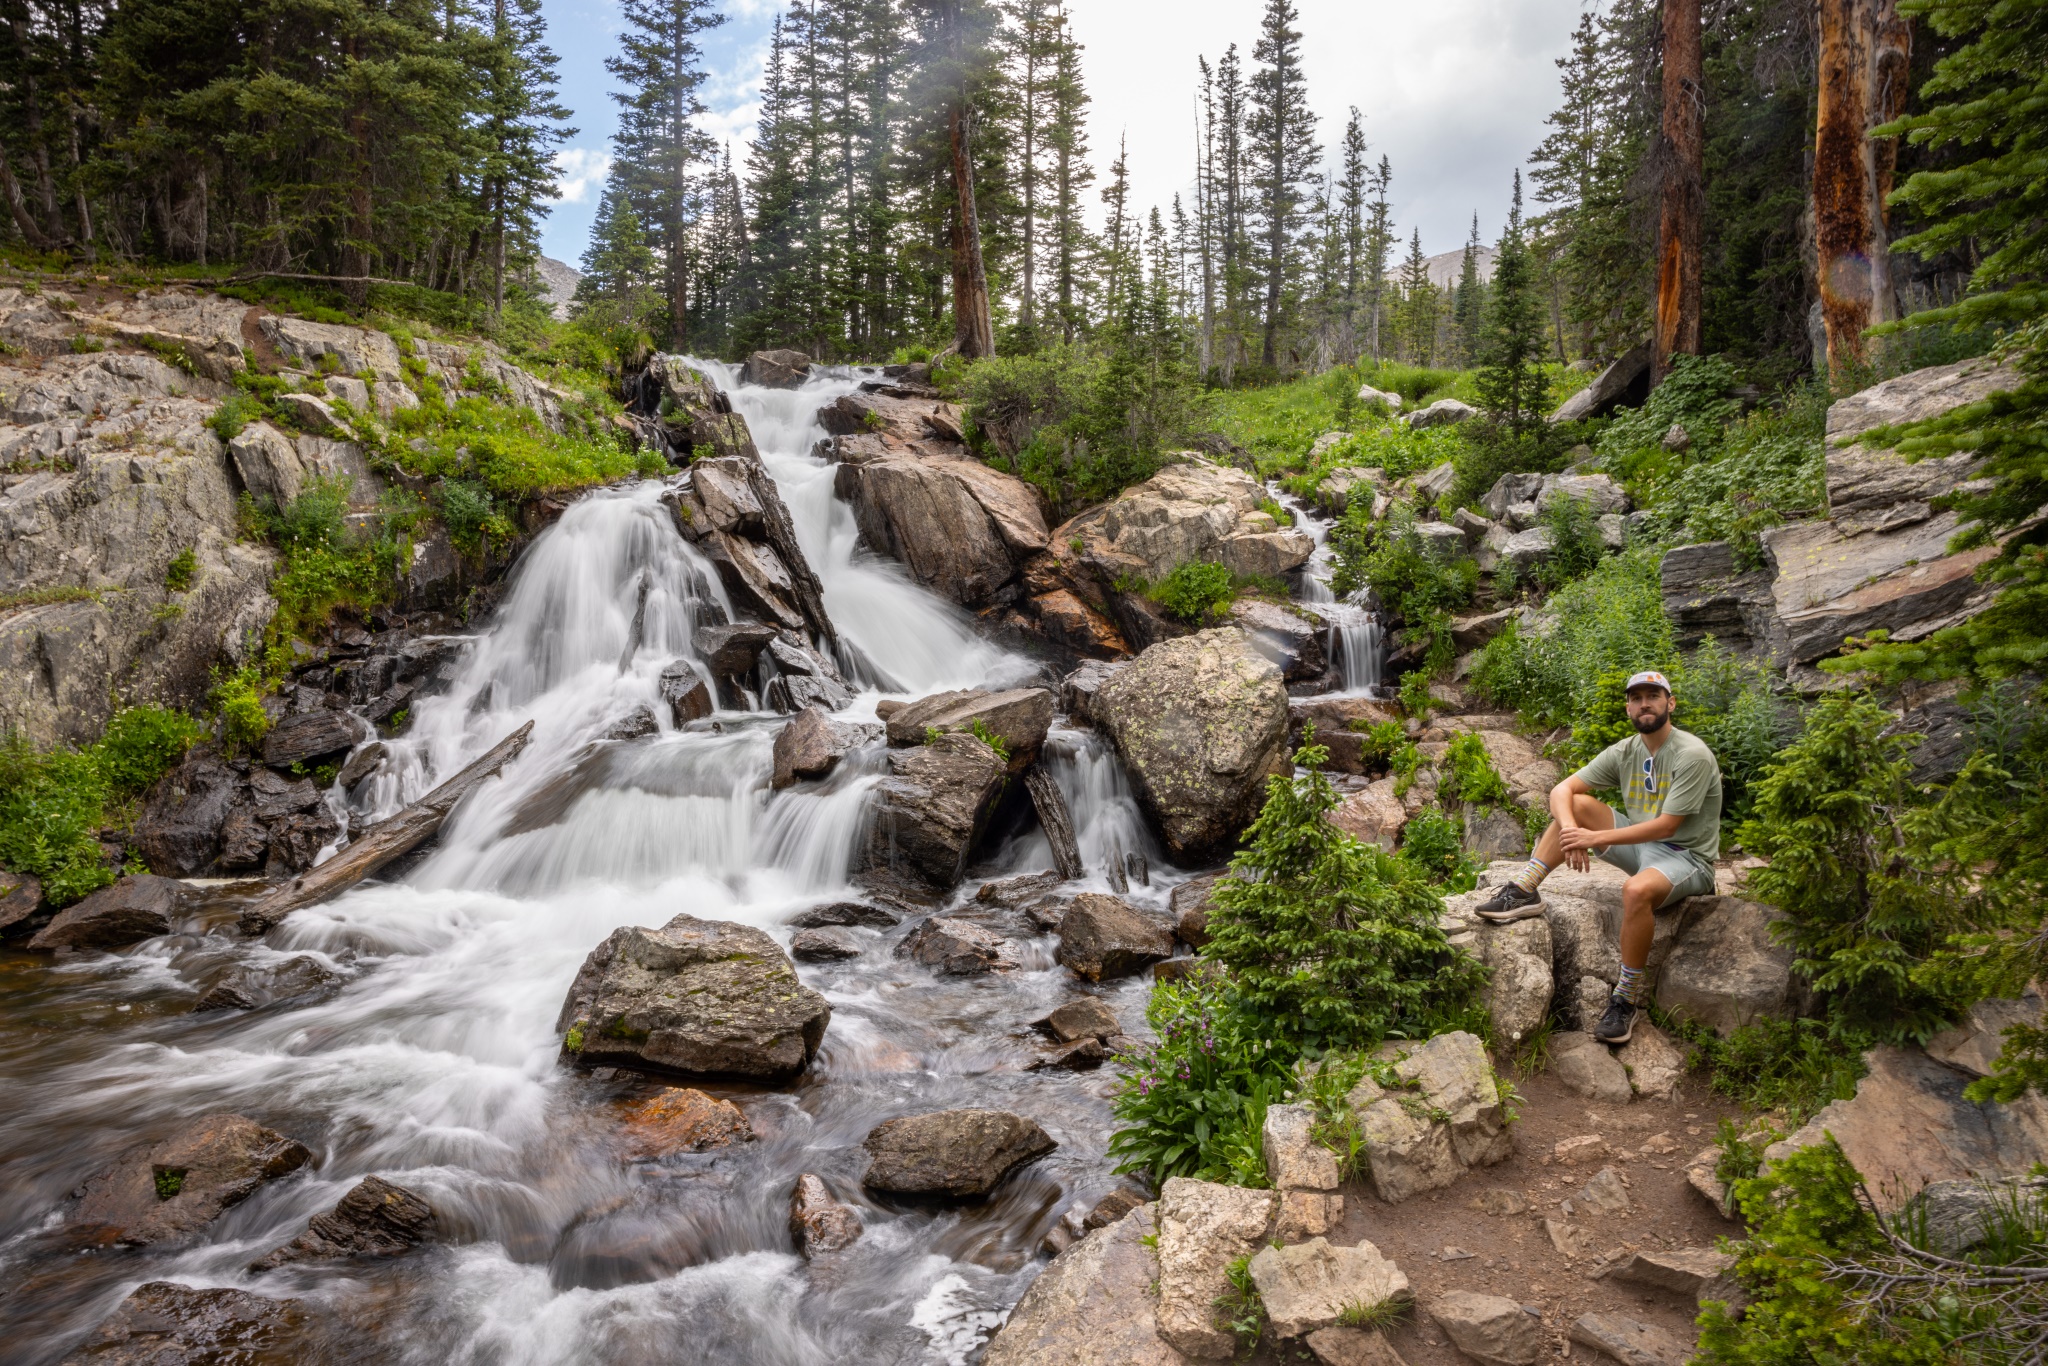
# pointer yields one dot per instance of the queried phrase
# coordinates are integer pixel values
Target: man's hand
(1579, 843)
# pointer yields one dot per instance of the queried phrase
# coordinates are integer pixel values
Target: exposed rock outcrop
(375, 1219)
(1189, 513)
(1203, 1228)
(167, 1190)
(729, 508)
(1410, 1153)
(1093, 1306)
(164, 1323)
(818, 1223)
(696, 998)
(133, 909)
(928, 813)
(1200, 723)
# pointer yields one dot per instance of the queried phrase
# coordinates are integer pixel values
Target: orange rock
(680, 1119)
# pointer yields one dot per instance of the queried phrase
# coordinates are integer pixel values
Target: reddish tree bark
(1682, 196)
(1866, 50)
(973, 327)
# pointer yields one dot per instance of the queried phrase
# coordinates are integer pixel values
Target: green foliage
(169, 1181)
(1194, 1104)
(1766, 469)
(1382, 739)
(326, 564)
(1419, 588)
(1472, 777)
(1792, 1068)
(141, 744)
(50, 815)
(1511, 384)
(1240, 1307)
(236, 411)
(1576, 547)
(1693, 396)
(1433, 843)
(1332, 942)
(238, 700)
(178, 573)
(1487, 450)
(1413, 694)
(506, 449)
(991, 739)
(1733, 704)
(1611, 621)
(473, 517)
(1832, 820)
(1195, 593)
(1279, 423)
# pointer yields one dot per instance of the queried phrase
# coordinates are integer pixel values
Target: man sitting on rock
(1666, 837)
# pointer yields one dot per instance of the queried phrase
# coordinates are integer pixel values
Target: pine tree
(1511, 383)
(1468, 305)
(1353, 185)
(618, 263)
(658, 137)
(522, 123)
(1118, 256)
(1282, 129)
(1379, 244)
(1419, 305)
(1067, 243)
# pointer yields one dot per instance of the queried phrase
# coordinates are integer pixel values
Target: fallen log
(1057, 820)
(383, 842)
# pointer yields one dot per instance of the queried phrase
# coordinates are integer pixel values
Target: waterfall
(431, 1058)
(1353, 640)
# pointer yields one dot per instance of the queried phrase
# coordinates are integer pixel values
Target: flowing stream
(431, 1058)
(1354, 642)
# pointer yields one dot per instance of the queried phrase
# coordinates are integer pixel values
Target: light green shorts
(1690, 874)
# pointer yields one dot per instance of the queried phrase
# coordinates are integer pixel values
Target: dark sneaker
(1618, 1024)
(1511, 903)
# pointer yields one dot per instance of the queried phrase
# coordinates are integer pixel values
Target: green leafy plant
(1240, 1308)
(1433, 842)
(1194, 1104)
(1384, 1314)
(179, 572)
(989, 737)
(169, 1181)
(1413, 694)
(1472, 777)
(141, 744)
(51, 809)
(1420, 587)
(238, 702)
(1195, 593)
(1576, 546)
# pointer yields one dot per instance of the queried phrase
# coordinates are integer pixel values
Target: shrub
(1472, 777)
(178, 573)
(238, 701)
(1487, 450)
(1695, 396)
(1766, 469)
(1576, 547)
(51, 810)
(141, 744)
(1611, 621)
(1195, 593)
(1421, 589)
(236, 411)
(1433, 842)
(1794, 1068)
(1831, 819)
(471, 515)
(1330, 941)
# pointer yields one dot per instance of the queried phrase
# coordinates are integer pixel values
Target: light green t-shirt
(1681, 779)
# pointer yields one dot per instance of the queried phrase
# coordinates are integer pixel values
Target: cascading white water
(432, 1060)
(1353, 640)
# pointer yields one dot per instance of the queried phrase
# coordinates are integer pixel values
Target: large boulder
(1624, 383)
(928, 813)
(957, 1154)
(1203, 1228)
(312, 736)
(696, 419)
(776, 369)
(133, 909)
(1190, 512)
(730, 509)
(1019, 717)
(1314, 1284)
(1290, 636)
(1864, 480)
(163, 1323)
(168, 1190)
(1093, 1306)
(694, 998)
(1728, 968)
(1598, 493)
(1973, 1044)
(955, 947)
(1490, 1329)
(1444, 412)
(21, 896)
(1909, 1126)
(1200, 723)
(1102, 938)
(1460, 1123)
(812, 744)
(375, 1219)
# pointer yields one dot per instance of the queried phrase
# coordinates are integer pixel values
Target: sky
(1454, 92)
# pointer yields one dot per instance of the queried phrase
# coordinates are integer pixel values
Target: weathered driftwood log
(383, 842)
(1057, 820)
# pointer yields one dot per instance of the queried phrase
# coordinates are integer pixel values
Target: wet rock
(1974, 1043)
(1489, 1329)
(133, 909)
(1589, 1069)
(1372, 816)
(1092, 1306)
(957, 948)
(365, 762)
(311, 737)
(166, 1324)
(1047, 913)
(695, 997)
(1112, 1207)
(1079, 688)
(1909, 1126)
(823, 946)
(1084, 1017)
(162, 1191)
(636, 724)
(819, 1224)
(952, 1153)
(1289, 637)
(1102, 938)
(930, 810)
(1655, 1064)
(1200, 723)
(685, 693)
(1191, 903)
(1294, 1160)
(250, 986)
(776, 369)
(179, 829)
(21, 896)
(1629, 1342)
(680, 1119)
(1203, 1228)
(1698, 1274)
(732, 651)
(1307, 1286)
(812, 744)
(1017, 891)
(1191, 512)
(375, 1219)
(1353, 1347)
(1020, 717)
(1080, 1056)
(1727, 969)
(848, 913)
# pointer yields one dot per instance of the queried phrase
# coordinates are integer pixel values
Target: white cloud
(580, 172)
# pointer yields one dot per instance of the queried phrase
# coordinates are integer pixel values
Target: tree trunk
(973, 328)
(1865, 52)
(1682, 199)
(17, 206)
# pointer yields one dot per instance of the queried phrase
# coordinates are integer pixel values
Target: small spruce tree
(1511, 385)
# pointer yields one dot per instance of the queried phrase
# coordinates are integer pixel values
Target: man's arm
(1642, 832)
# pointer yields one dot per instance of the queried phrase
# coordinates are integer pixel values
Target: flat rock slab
(1590, 1069)
(1353, 1347)
(1909, 1126)
(1305, 1287)
(1092, 1306)
(1203, 1228)
(375, 1219)
(1020, 717)
(1694, 1273)
(1084, 1017)
(694, 998)
(170, 1189)
(848, 913)
(823, 946)
(1489, 1329)
(957, 1154)
(133, 909)
(166, 1324)
(1102, 938)
(1975, 1042)
(1629, 1342)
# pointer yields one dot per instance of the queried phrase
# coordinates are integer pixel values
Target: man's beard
(1646, 724)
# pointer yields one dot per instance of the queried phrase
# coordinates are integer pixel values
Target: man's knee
(1643, 893)
(1591, 812)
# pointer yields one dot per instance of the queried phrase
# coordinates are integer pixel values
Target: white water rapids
(433, 1060)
